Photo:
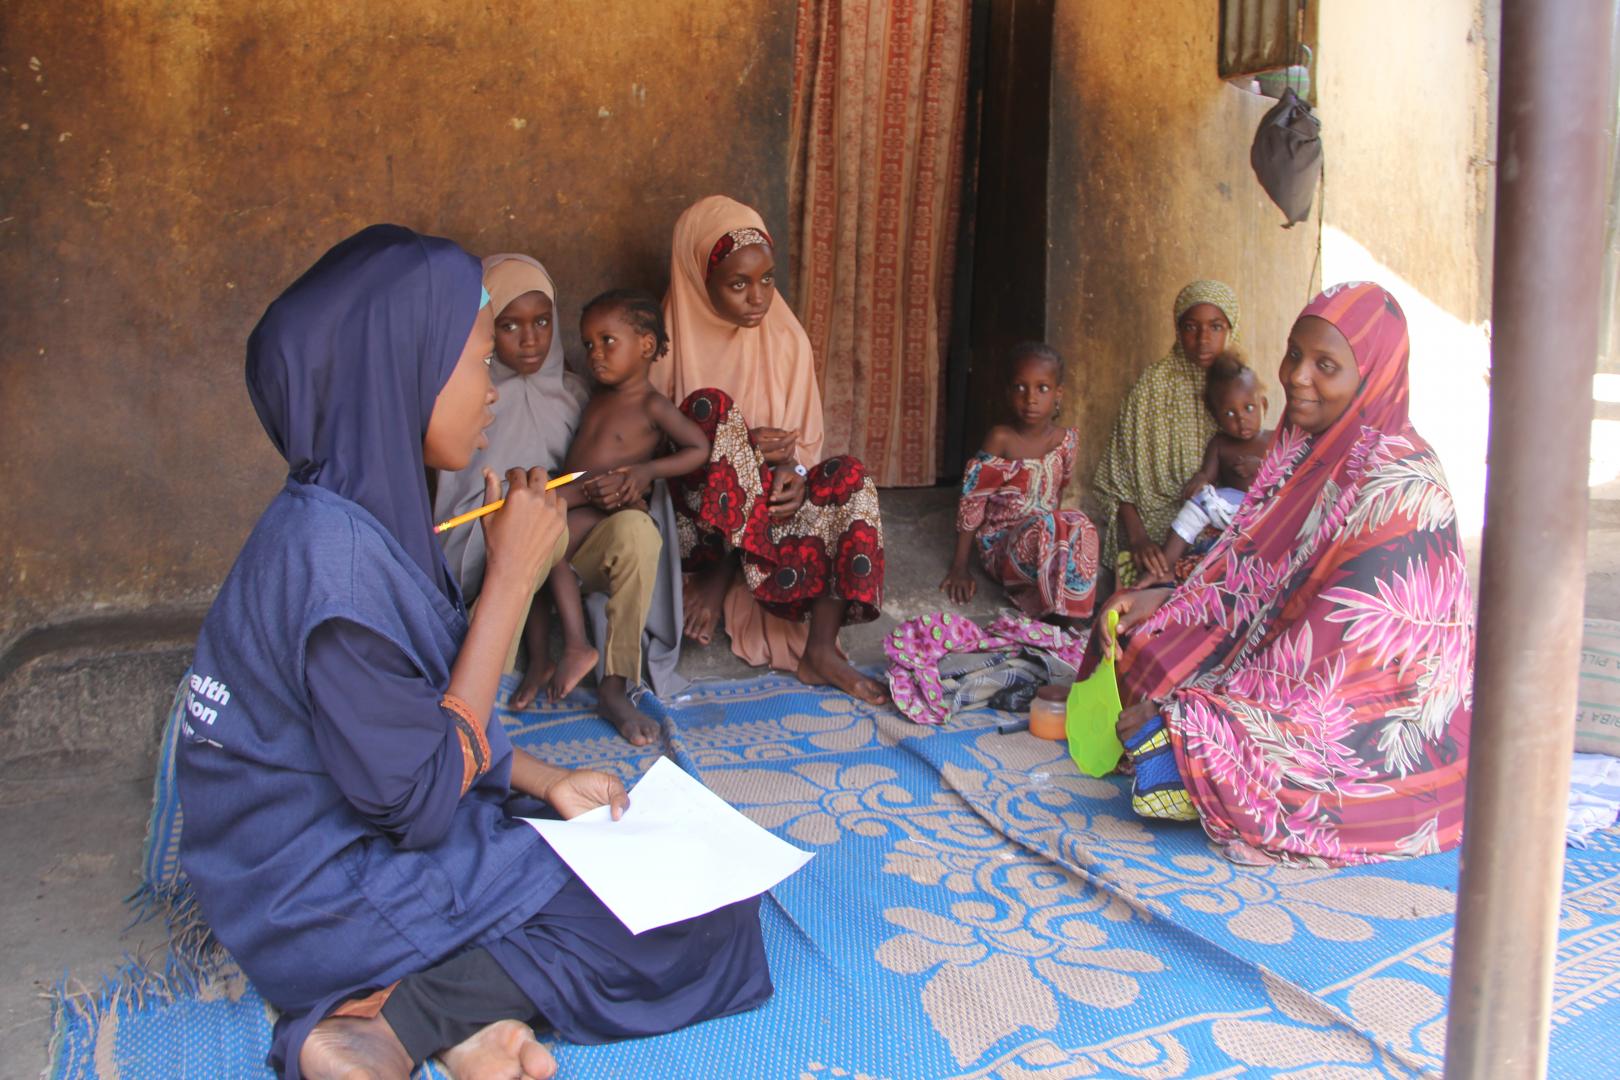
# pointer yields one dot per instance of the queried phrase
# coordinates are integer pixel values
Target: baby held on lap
(1234, 398)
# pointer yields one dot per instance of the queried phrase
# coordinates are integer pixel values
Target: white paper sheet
(680, 851)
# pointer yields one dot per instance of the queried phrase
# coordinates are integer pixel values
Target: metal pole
(1552, 160)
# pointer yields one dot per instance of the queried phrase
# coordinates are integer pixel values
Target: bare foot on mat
(634, 726)
(348, 1048)
(576, 662)
(505, 1050)
(824, 667)
(539, 673)
(703, 599)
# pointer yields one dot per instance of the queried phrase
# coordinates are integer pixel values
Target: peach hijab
(769, 370)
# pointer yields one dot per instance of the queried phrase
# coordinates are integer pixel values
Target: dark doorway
(1001, 276)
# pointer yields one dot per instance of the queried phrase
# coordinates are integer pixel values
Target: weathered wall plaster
(169, 166)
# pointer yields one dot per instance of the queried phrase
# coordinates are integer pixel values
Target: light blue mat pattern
(976, 909)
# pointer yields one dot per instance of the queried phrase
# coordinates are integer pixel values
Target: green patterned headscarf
(1205, 291)
(1159, 438)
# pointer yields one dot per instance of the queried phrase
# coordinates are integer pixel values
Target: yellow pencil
(490, 508)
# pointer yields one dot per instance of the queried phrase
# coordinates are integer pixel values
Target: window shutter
(1259, 35)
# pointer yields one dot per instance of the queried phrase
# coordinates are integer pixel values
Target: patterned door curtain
(879, 112)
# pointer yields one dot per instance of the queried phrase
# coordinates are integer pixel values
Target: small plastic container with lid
(1048, 713)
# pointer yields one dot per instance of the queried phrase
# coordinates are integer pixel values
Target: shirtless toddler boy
(620, 434)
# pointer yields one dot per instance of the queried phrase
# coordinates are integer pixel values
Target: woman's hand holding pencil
(520, 539)
(491, 507)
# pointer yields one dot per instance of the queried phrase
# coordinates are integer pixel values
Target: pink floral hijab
(1316, 670)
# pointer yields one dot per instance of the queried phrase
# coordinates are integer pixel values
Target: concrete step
(86, 713)
(1603, 573)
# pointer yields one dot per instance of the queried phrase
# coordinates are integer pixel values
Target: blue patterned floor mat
(976, 909)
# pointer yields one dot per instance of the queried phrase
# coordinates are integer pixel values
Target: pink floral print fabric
(1316, 670)
(916, 646)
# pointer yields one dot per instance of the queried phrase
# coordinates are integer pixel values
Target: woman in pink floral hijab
(1311, 683)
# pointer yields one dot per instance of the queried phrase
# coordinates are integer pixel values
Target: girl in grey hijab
(536, 415)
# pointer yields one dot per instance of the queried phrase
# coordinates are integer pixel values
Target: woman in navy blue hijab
(342, 779)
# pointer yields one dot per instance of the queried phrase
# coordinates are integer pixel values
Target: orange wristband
(474, 740)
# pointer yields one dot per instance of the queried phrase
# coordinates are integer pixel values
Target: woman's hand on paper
(579, 790)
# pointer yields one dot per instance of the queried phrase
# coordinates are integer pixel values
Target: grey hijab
(535, 418)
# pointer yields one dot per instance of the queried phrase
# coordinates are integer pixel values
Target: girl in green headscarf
(1159, 439)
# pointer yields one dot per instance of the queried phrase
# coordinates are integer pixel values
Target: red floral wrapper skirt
(832, 546)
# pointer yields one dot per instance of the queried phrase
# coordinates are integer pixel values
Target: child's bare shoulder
(655, 402)
(661, 411)
(664, 415)
(996, 440)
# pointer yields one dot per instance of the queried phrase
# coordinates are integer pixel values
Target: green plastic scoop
(1093, 710)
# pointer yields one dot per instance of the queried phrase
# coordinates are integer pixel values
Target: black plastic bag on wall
(1287, 156)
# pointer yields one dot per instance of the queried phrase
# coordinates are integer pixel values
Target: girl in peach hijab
(782, 547)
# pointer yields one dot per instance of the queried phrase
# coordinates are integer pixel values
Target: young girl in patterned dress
(1046, 558)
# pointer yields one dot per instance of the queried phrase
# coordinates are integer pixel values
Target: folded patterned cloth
(942, 664)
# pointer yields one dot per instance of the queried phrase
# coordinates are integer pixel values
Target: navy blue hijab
(346, 364)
